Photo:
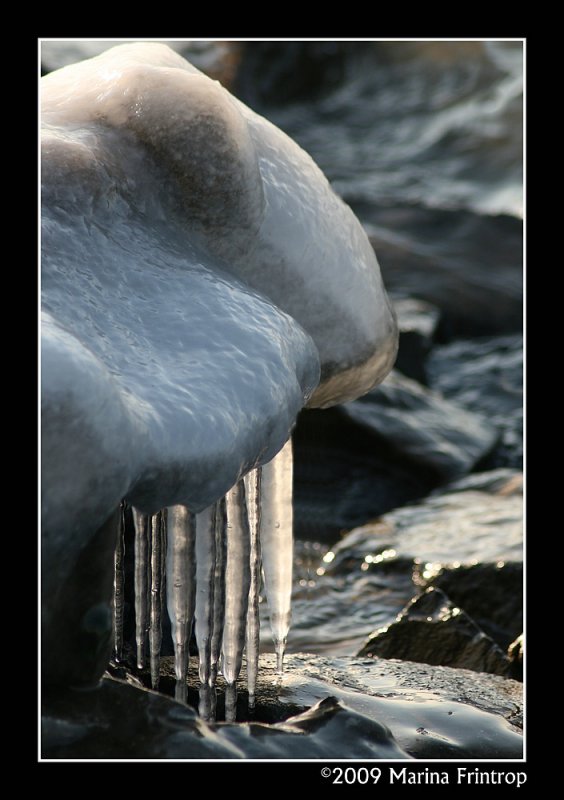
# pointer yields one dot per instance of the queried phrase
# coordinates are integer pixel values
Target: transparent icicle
(237, 583)
(119, 585)
(141, 584)
(205, 572)
(252, 490)
(180, 588)
(158, 553)
(277, 544)
(218, 590)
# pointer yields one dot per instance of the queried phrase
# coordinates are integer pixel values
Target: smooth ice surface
(180, 587)
(197, 273)
(277, 544)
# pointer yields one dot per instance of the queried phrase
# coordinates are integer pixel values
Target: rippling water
(432, 123)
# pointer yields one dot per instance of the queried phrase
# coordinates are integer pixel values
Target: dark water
(424, 140)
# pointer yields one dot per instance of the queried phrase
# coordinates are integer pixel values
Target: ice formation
(201, 283)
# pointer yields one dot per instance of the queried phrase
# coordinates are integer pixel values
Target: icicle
(180, 587)
(205, 572)
(158, 551)
(252, 489)
(141, 523)
(237, 583)
(218, 590)
(119, 584)
(277, 544)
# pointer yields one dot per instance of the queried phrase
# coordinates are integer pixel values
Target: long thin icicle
(158, 550)
(119, 585)
(237, 583)
(218, 589)
(277, 544)
(205, 574)
(141, 584)
(252, 489)
(181, 588)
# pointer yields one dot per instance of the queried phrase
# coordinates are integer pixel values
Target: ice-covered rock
(161, 193)
(201, 283)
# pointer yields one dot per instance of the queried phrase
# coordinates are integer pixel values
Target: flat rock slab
(323, 708)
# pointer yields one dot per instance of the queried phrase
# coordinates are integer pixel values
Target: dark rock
(390, 447)
(346, 474)
(432, 630)
(323, 708)
(486, 377)
(417, 322)
(423, 427)
(491, 593)
(468, 265)
(486, 582)
(76, 605)
(515, 655)
(120, 720)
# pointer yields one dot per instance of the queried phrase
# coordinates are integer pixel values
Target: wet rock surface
(433, 630)
(324, 708)
(491, 593)
(466, 539)
(460, 525)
